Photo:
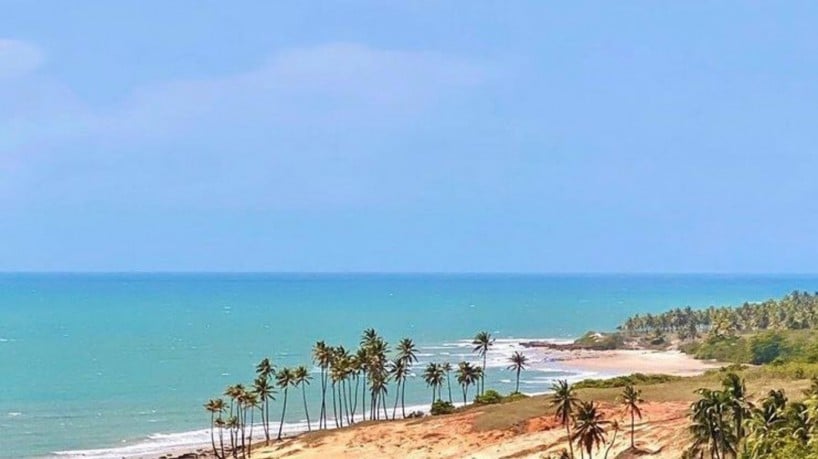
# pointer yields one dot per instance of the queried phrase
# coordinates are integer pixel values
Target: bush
(600, 341)
(415, 414)
(767, 347)
(636, 379)
(514, 396)
(442, 407)
(489, 397)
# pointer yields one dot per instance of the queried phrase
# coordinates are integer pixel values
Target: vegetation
(624, 381)
(600, 341)
(796, 311)
(518, 362)
(488, 397)
(441, 407)
(350, 377)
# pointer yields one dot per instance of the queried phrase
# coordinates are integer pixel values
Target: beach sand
(623, 362)
(660, 432)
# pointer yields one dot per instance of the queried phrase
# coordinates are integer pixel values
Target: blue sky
(413, 136)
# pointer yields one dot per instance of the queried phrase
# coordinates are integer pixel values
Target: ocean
(109, 365)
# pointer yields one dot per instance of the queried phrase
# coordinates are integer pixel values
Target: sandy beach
(623, 362)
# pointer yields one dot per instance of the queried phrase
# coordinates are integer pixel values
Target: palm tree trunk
(212, 437)
(570, 442)
(221, 442)
(464, 394)
(283, 410)
(383, 404)
(355, 398)
(363, 399)
(334, 406)
(395, 408)
(483, 375)
(631, 429)
(306, 411)
(266, 420)
(322, 416)
(518, 381)
(402, 394)
(449, 383)
(250, 440)
(607, 450)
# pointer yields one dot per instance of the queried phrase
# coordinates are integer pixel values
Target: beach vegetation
(482, 342)
(631, 401)
(624, 381)
(564, 402)
(441, 407)
(488, 397)
(597, 341)
(518, 362)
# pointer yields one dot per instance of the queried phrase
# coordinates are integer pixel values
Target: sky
(409, 136)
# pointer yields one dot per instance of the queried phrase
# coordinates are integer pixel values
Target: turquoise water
(126, 360)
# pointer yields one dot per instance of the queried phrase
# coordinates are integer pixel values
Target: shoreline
(583, 363)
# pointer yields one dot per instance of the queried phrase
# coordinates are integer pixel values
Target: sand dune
(660, 434)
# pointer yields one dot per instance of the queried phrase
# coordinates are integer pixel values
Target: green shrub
(489, 397)
(600, 341)
(441, 407)
(636, 379)
(767, 347)
(514, 396)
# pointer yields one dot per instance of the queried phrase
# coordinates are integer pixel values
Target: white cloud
(297, 112)
(18, 58)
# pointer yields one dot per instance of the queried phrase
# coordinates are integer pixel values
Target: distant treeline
(798, 310)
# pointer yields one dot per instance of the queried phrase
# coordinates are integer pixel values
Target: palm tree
(214, 406)
(221, 425)
(711, 427)
(284, 379)
(433, 375)
(321, 356)
(589, 432)
(482, 342)
(261, 385)
(302, 378)
(399, 370)
(564, 401)
(467, 374)
(734, 387)
(518, 362)
(631, 398)
(447, 369)
(250, 402)
(265, 392)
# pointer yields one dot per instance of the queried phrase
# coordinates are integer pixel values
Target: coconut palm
(518, 362)
(433, 375)
(406, 351)
(482, 342)
(399, 370)
(302, 378)
(467, 374)
(251, 403)
(233, 424)
(284, 379)
(735, 389)
(564, 400)
(631, 399)
(221, 425)
(321, 357)
(711, 427)
(214, 406)
(265, 392)
(447, 369)
(589, 427)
